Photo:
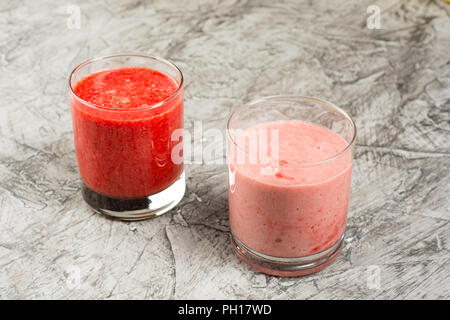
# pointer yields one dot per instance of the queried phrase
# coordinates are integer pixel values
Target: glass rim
(300, 97)
(126, 54)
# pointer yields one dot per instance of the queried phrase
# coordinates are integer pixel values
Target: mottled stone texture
(394, 81)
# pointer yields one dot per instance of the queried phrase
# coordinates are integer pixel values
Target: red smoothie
(123, 120)
(296, 209)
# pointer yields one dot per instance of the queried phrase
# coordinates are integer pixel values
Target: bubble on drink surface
(269, 170)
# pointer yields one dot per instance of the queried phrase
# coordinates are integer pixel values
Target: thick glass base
(137, 209)
(286, 267)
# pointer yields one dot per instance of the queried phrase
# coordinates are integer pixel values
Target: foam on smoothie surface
(125, 88)
(300, 144)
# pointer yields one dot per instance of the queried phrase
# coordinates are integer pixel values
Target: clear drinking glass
(125, 155)
(290, 162)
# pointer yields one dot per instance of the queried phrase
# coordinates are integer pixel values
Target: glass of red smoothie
(290, 163)
(127, 112)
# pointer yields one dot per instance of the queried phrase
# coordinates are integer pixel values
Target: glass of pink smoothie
(127, 112)
(290, 163)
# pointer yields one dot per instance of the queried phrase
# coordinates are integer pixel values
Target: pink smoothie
(292, 209)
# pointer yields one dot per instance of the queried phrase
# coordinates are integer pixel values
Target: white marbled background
(394, 81)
